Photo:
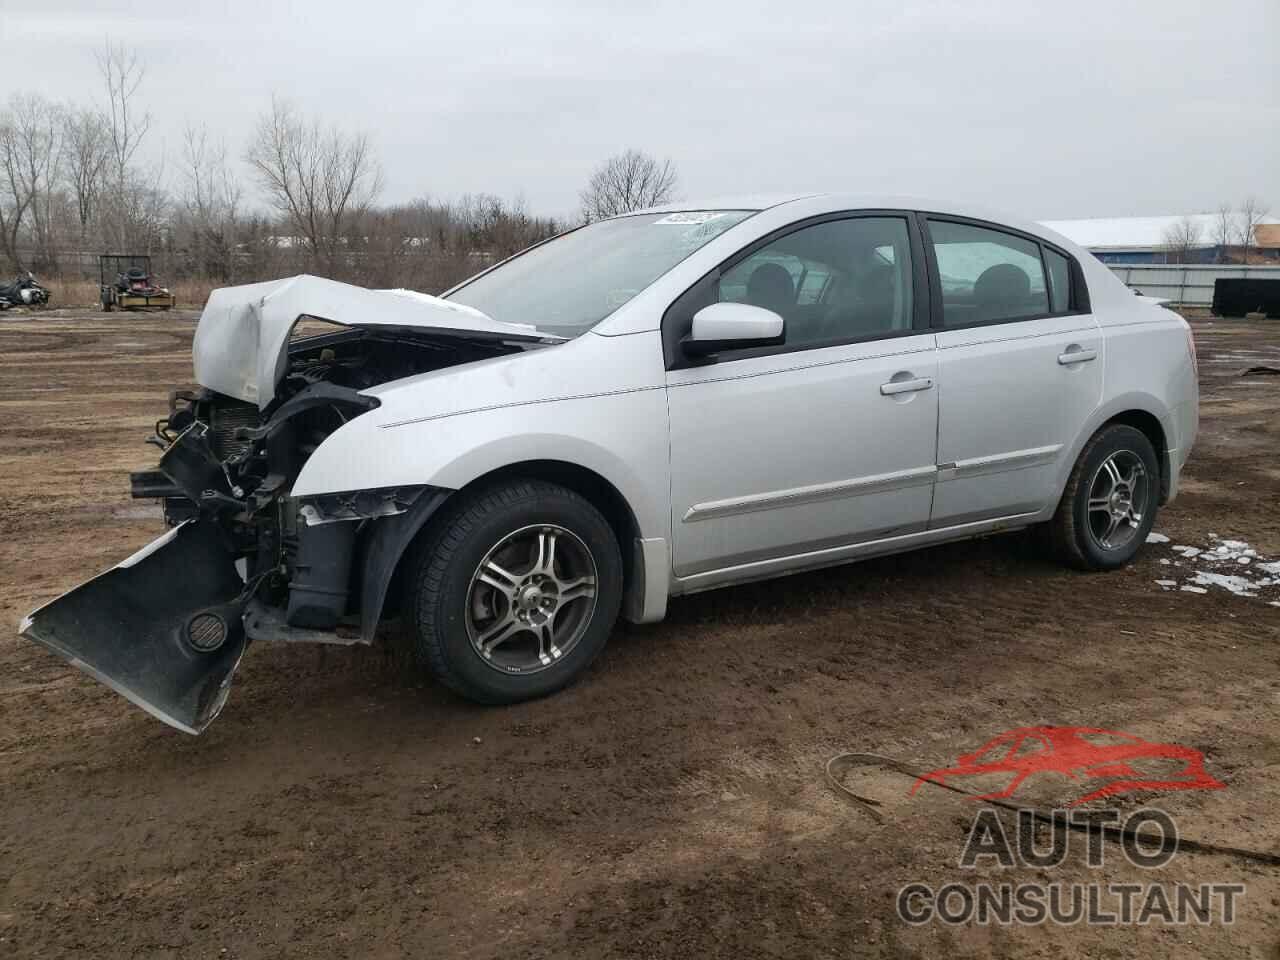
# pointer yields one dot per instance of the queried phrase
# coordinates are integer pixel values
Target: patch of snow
(1157, 538)
(1250, 575)
(1240, 586)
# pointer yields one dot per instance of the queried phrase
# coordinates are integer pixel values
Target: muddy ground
(673, 803)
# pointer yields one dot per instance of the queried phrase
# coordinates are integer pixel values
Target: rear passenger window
(987, 275)
(1059, 281)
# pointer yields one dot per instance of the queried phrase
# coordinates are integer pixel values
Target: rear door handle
(905, 386)
(1077, 356)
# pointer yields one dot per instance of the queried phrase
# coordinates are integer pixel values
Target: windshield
(568, 285)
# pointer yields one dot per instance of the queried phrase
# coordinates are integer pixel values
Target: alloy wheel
(531, 599)
(1118, 495)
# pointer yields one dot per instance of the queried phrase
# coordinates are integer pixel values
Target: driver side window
(831, 282)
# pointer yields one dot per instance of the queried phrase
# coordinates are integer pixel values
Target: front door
(828, 440)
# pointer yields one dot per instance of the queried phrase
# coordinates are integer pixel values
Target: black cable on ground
(1109, 831)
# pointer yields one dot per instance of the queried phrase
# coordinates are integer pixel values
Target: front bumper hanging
(163, 628)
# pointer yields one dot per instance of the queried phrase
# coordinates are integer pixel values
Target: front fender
(621, 436)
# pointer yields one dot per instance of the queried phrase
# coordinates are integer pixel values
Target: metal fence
(1189, 285)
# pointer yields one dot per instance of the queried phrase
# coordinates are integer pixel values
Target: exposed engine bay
(227, 462)
(244, 559)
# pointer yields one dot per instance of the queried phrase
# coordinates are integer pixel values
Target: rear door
(1020, 361)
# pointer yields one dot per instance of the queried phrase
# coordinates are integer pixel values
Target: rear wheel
(1110, 502)
(514, 591)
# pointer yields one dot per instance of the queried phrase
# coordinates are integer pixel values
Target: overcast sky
(1047, 108)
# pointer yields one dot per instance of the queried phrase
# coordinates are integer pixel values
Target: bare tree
(211, 200)
(131, 214)
(321, 180)
(86, 140)
(1252, 212)
(14, 197)
(1181, 239)
(1223, 230)
(122, 73)
(627, 181)
(30, 149)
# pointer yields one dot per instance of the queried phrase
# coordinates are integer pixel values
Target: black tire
(449, 553)
(1073, 532)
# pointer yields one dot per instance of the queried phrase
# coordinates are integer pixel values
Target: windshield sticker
(616, 298)
(688, 218)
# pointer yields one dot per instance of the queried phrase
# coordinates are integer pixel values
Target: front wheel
(514, 590)
(1110, 502)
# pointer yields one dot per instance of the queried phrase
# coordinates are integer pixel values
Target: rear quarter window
(1059, 268)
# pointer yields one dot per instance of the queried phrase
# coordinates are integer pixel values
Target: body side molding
(794, 496)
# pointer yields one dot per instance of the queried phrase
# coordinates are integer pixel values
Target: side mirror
(730, 326)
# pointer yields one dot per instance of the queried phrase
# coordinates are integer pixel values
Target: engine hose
(1109, 831)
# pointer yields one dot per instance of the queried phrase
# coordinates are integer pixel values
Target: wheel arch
(587, 483)
(1150, 426)
(644, 587)
(1143, 412)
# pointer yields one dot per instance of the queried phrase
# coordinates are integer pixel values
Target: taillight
(1191, 350)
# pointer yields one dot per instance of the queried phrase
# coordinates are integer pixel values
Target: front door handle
(905, 386)
(1076, 356)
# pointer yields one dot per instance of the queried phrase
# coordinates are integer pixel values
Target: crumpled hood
(240, 346)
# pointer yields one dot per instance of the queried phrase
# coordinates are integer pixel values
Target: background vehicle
(127, 283)
(649, 406)
(24, 291)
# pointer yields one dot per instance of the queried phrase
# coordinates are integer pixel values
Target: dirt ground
(673, 803)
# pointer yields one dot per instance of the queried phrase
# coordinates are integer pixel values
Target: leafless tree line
(627, 181)
(72, 184)
(1232, 233)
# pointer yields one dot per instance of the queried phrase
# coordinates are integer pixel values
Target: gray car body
(760, 466)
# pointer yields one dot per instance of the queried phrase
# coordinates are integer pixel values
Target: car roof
(862, 201)
(746, 201)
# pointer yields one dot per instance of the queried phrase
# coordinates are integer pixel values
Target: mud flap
(162, 629)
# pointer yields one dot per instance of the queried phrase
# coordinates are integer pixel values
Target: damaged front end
(244, 560)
